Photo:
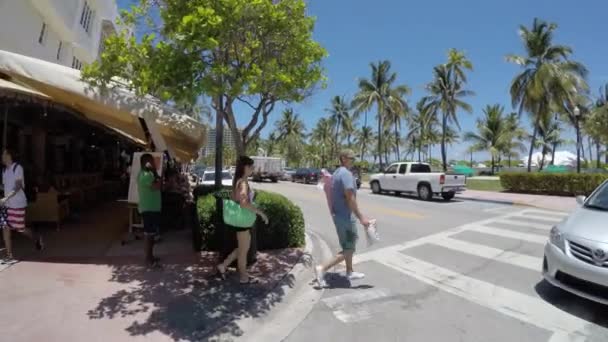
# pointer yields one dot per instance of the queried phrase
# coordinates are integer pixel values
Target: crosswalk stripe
(483, 251)
(546, 212)
(524, 224)
(358, 297)
(509, 234)
(508, 302)
(555, 219)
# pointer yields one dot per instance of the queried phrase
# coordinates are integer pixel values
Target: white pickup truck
(417, 178)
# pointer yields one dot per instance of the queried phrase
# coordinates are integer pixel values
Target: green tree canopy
(252, 52)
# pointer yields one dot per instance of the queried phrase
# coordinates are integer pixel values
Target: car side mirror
(580, 199)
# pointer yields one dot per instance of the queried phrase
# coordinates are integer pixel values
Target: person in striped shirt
(14, 203)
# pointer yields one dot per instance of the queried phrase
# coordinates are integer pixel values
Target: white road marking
(524, 224)
(555, 219)
(509, 234)
(350, 307)
(508, 302)
(482, 251)
(358, 297)
(546, 212)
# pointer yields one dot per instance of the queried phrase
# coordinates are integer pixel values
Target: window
(420, 168)
(86, 17)
(403, 169)
(59, 50)
(42, 36)
(76, 63)
(392, 169)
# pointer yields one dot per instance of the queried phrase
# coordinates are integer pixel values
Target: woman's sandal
(221, 272)
(250, 281)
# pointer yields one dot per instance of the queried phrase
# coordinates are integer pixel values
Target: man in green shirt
(149, 189)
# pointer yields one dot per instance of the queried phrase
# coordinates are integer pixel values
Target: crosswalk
(524, 227)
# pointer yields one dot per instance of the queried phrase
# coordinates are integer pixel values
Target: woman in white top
(14, 203)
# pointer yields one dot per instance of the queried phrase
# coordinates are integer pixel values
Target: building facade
(66, 32)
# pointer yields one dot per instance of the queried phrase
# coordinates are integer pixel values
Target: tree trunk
(598, 162)
(532, 142)
(590, 147)
(553, 153)
(379, 149)
(542, 158)
(419, 152)
(578, 148)
(443, 143)
(492, 172)
(509, 160)
(606, 155)
(398, 141)
(335, 149)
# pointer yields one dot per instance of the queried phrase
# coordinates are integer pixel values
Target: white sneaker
(320, 276)
(355, 276)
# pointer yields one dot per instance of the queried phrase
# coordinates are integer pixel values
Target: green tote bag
(236, 216)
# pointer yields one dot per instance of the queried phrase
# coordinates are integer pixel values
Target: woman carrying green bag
(239, 214)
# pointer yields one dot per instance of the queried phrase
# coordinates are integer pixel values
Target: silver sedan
(576, 255)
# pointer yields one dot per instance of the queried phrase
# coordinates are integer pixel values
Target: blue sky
(415, 36)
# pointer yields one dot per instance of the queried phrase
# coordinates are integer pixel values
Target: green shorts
(347, 232)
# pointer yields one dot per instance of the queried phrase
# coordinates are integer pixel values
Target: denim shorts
(151, 222)
(347, 232)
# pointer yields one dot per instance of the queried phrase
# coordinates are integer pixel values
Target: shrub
(285, 228)
(562, 184)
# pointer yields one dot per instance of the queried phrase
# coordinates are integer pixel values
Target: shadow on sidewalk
(186, 302)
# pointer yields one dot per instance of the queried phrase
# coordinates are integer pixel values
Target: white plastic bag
(372, 233)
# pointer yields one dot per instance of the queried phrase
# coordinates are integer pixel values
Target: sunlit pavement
(457, 271)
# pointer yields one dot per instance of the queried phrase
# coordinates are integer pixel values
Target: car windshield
(599, 199)
(211, 176)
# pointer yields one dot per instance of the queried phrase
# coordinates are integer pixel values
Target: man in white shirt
(14, 203)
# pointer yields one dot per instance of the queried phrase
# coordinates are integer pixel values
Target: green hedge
(285, 228)
(562, 184)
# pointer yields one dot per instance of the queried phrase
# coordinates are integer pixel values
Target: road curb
(298, 300)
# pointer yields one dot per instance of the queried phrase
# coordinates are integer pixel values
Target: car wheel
(376, 187)
(448, 195)
(424, 192)
(274, 180)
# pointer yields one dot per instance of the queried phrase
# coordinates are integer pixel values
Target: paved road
(458, 271)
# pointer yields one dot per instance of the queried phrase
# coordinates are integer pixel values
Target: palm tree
(339, 115)
(421, 124)
(365, 138)
(379, 91)
(596, 124)
(322, 138)
(446, 95)
(517, 134)
(396, 111)
(291, 133)
(492, 132)
(548, 77)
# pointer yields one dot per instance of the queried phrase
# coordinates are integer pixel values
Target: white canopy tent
(117, 108)
(562, 158)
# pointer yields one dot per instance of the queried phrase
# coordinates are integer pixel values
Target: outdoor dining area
(76, 144)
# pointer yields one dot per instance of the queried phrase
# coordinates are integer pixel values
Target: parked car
(209, 178)
(306, 176)
(576, 255)
(287, 174)
(417, 178)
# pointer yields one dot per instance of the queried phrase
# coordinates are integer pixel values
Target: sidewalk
(106, 294)
(559, 203)
(540, 201)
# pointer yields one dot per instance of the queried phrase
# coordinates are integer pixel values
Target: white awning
(117, 108)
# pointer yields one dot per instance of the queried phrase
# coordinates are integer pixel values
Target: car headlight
(557, 239)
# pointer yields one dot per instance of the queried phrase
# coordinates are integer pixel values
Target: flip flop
(221, 273)
(250, 281)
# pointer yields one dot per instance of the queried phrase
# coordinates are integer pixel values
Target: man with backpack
(14, 203)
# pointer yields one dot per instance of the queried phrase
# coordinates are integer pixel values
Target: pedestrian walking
(240, 215)
(14, 203)
(149, 190)
(345, 213)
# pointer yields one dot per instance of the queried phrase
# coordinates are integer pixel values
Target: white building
(66, 32)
